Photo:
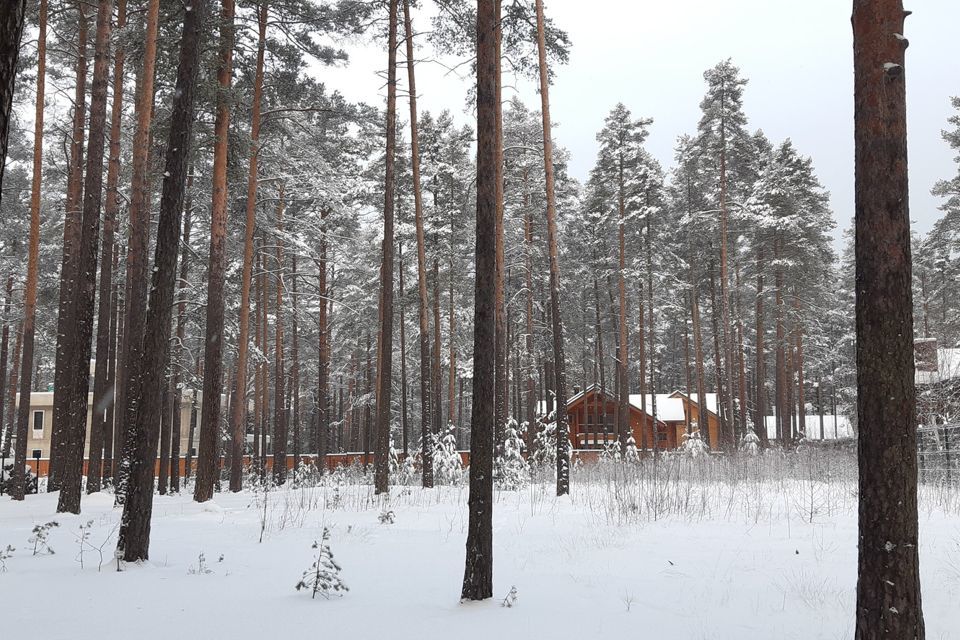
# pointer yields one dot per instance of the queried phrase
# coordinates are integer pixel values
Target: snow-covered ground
(693, 550)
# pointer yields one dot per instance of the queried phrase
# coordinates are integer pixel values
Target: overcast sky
(797, 55)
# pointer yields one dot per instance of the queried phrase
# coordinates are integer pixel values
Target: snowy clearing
(696, 550)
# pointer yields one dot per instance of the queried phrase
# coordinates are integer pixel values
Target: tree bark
(238, 400)
(73, 216)
(385, 357)
(426, 452)
(888, 584)
(85, 290)
(563, 437)
(176, 386)
(11, 32)
(478, 569)
(103, 392)
(134, 537)
(323, 355)
(280, 424)
(760, 370)
(207, 472)
(26, 338)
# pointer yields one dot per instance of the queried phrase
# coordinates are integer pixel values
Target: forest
(394, 308)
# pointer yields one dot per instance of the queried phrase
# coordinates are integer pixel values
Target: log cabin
(592, 418)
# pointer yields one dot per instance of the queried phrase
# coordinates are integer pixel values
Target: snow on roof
(669, 409)
(711, 401)
(843, 427)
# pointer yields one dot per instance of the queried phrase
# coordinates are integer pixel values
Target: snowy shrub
(630, 453)
(511, 469)
(202, 568)
(693, 445)
(5, 554)
(611, 451)
(387, 516)
(750, 443)
(41, 538)
(545, 447)
(447, 463)
(402, 472)
(511, 599)
(323, 576)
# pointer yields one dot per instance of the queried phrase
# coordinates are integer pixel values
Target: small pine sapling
(5, 554)
(83, 539)
(511, 600)
(323, 576)
(41, 538)
(511, 469)
(693, 445)
(750, 443)
(387, 516)
(447, 463)
(201, 568)
(630, 453)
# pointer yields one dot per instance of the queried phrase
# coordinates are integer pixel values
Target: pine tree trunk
(726, 428)
(178, 361)
(25, 338)
(783, 412)
(888, 585)
(760, 370)
(563, 435)
(323, 355)
(138, 242)
(426, 453)
(623, 354)
(436, 368)
(405, 434)
(478, 570)
(500, 348)
(798, 364)
(385, 356)
(12, 390)
(73, 217)
(652, 336)
(134, 537)
(239, 398)
(75, 431)
(280, 425)
(103, 393)
(4, 353)
(11, 32)
(207, 472)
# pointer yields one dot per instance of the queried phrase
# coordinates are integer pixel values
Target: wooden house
(592, 416)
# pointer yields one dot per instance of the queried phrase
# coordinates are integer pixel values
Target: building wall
(41, 414)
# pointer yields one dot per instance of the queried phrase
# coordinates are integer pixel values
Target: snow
(748, 565)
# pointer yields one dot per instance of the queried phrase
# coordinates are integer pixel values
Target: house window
(37, 454)
(37, 422)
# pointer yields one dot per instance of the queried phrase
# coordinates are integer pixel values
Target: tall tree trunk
(888, 585)
(134, 537)
(529, 361)
(4, 353)
(652, 337)
(740, 357)
(26, 337)
(426, 452)
(11, 32)
(723, 412)
(436, 367)
(623, 354)
(294, 365)
(730, 437)
(783, 411)
(760, 370)
(12, 390)
(500, 349)
(403, 354)
(280, 424)
(75, 431)
(238, 402)
(73, 217)
(703, 416)
(563, 436)
(207, 472)
(176, 386)
(478, 569)
(798, 365)
(323, 355)
(385, 341)
(103, 393)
